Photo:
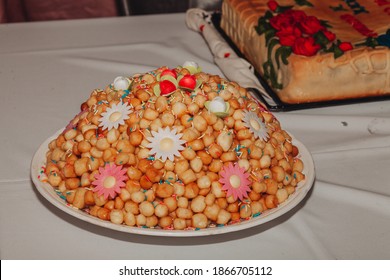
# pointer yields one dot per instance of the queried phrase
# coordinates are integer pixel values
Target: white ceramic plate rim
(48, 192)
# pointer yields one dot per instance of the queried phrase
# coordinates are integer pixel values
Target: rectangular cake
(313, 51)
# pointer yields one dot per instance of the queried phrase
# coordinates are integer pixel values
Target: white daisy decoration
(165, 144)
(255, 125)
(114, 116)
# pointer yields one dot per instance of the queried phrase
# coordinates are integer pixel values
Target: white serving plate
(48, 192)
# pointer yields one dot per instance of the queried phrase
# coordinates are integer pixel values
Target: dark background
(41, 10)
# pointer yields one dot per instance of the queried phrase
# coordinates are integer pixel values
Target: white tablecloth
(48, 69)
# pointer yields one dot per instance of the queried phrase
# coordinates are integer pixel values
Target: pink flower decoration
(110, 180)
(235, 181)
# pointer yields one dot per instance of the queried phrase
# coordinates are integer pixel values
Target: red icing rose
(281, 21)
(305, 46)
(273, 5)
(311, 25)
(345, 46)
(286, 19)
(167, 87)
(329, 35)
(188, 81)
(296, 16)
(288, 35)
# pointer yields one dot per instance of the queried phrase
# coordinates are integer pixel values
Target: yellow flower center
(109, 182)
(166, 144)
(235, 181)
(255, 124)
(115, 116)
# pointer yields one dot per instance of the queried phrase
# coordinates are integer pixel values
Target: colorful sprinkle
(127, 92)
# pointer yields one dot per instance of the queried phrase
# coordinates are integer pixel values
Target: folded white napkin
(233, 67)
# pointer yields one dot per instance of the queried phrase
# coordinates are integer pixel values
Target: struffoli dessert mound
(175, 149)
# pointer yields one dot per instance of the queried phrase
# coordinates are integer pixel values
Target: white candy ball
(190, 64)
(121, 83)
(217, 105)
